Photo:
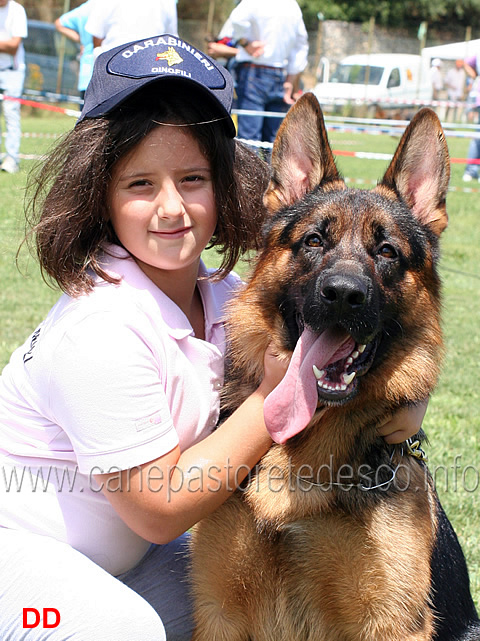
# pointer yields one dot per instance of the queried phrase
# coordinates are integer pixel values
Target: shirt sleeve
(71, 20)
(241, 21)
(19, 27)
(298, 57)
(97, 20)
(106, 392)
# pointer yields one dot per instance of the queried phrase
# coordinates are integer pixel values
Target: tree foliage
(398, 13)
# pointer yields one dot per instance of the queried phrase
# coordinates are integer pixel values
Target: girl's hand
(275, 367)
(404, 423)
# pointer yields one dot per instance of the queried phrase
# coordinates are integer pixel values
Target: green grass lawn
(453, 418)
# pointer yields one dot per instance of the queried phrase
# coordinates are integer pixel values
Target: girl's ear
(301, 156)
(420, 170)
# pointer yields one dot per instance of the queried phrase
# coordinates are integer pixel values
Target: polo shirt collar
(120, 263)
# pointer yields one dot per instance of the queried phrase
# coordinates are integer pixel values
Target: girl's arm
(163, 498)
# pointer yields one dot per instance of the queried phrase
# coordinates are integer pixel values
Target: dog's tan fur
(283, 559)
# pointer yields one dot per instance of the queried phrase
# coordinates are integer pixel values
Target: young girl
(107, 448)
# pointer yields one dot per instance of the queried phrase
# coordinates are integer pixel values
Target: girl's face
(161, 202)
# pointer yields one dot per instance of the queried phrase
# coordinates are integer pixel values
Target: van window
(356, 74)
(394, 79)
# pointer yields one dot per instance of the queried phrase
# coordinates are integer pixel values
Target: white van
(384, 79)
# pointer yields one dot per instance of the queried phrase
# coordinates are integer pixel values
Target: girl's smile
(162, 204)
(177, 233)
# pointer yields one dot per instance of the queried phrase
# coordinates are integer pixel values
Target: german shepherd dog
(336, 535)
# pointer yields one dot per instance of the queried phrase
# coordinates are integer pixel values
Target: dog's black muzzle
(343, 296)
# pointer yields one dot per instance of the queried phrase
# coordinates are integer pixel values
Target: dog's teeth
(319, 373)
(355, 354)
(325, 385)
(349, 361)
(361, 348)
(348, 378)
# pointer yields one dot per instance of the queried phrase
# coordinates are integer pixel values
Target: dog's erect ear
(420, 170)
(301, 156)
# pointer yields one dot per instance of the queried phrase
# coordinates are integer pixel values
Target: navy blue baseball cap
(124, 70)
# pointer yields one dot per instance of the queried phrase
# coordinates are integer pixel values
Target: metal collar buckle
(414, 449)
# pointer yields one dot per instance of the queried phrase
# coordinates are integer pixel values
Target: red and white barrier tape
(42, 105)
(349, 181)
(361, 181)
(266, 145)
(367, 155)
(360, 125)
(398, 102)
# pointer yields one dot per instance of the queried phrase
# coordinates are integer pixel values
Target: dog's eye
(314, 240)
(387, 251)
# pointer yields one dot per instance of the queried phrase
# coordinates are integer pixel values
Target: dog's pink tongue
(291, 405)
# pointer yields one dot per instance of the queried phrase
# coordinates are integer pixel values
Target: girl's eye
(314, 240)
(139, 183)
(387, 251)
(194, 178)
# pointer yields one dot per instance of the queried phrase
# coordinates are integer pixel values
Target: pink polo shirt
(108, 381)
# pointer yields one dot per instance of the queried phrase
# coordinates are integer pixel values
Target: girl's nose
(170, 202)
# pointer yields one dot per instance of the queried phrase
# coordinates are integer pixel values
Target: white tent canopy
(453, 51)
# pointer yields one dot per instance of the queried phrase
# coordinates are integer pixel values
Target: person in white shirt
(436, 78)
(117, 22)
(455, 83)
(13, 29)
(267, 80)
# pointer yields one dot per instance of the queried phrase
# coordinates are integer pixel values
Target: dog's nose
(344, 293)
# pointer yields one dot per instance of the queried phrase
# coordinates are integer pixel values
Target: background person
(72, 25)
(13, 29)
(115, 22)
(267, 80)
(436, 78)
(226, 47)
(472, 66)
(455, 80)
(455, 84)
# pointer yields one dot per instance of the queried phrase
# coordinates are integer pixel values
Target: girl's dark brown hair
(67, 213)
